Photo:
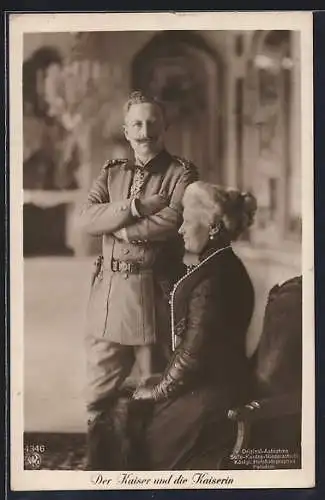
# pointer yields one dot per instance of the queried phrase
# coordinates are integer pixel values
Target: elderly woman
(211, 308)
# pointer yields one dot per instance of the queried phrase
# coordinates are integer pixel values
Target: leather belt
(121, 266)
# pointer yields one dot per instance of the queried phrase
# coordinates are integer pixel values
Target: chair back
(278, 362)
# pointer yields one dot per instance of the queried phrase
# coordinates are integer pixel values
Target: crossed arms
(156, 220)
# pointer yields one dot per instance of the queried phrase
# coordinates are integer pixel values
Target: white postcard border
(23, 480)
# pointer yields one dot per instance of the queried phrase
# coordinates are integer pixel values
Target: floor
(56, 293)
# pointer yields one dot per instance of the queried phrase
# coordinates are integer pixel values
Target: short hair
(235, 208)
(139, 97)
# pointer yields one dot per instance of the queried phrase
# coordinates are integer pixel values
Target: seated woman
(211, 308)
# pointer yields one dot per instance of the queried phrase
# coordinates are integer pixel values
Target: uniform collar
(157, 164)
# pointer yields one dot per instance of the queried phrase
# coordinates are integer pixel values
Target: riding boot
(99, 438)
(108, 440)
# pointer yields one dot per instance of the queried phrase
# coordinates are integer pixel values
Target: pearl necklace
(190, 270)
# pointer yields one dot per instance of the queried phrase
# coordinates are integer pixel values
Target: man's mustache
(144, 140)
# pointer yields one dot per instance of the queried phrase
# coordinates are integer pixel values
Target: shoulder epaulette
(116, 161)
(188, 165)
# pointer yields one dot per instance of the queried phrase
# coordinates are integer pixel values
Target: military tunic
(122, 306)
(128, 308)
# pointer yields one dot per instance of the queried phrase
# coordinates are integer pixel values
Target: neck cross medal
(138, 181)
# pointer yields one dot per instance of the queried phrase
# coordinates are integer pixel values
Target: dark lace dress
(211, 311)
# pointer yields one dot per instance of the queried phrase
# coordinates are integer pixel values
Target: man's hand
(145, 207)
(121, 234)
(151, 205)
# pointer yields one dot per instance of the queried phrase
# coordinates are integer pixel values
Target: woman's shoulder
(228, 261)
(232, 275)
(220, 271)
(236, 262)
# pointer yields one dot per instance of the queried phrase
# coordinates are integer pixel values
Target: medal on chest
(138, 182)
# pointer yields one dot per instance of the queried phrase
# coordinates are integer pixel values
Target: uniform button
(126, 251)
(125, 276)
(124, 207)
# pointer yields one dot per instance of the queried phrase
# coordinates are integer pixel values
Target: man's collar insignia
(157, 164)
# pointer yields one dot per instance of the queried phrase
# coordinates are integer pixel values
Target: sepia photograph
(161, 179)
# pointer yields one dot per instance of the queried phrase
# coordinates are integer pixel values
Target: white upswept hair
(214, 203)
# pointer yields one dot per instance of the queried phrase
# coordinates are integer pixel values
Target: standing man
(136, 207)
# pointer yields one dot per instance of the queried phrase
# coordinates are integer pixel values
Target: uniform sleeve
(99, 215)
(201, 319)
(164, 224)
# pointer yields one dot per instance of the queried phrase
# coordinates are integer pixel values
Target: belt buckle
(124, 267)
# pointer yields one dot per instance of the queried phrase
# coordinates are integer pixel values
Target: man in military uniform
(136, 207)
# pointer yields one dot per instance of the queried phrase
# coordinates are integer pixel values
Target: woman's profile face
(195, 230)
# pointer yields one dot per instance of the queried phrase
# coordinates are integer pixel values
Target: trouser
(109, 364)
